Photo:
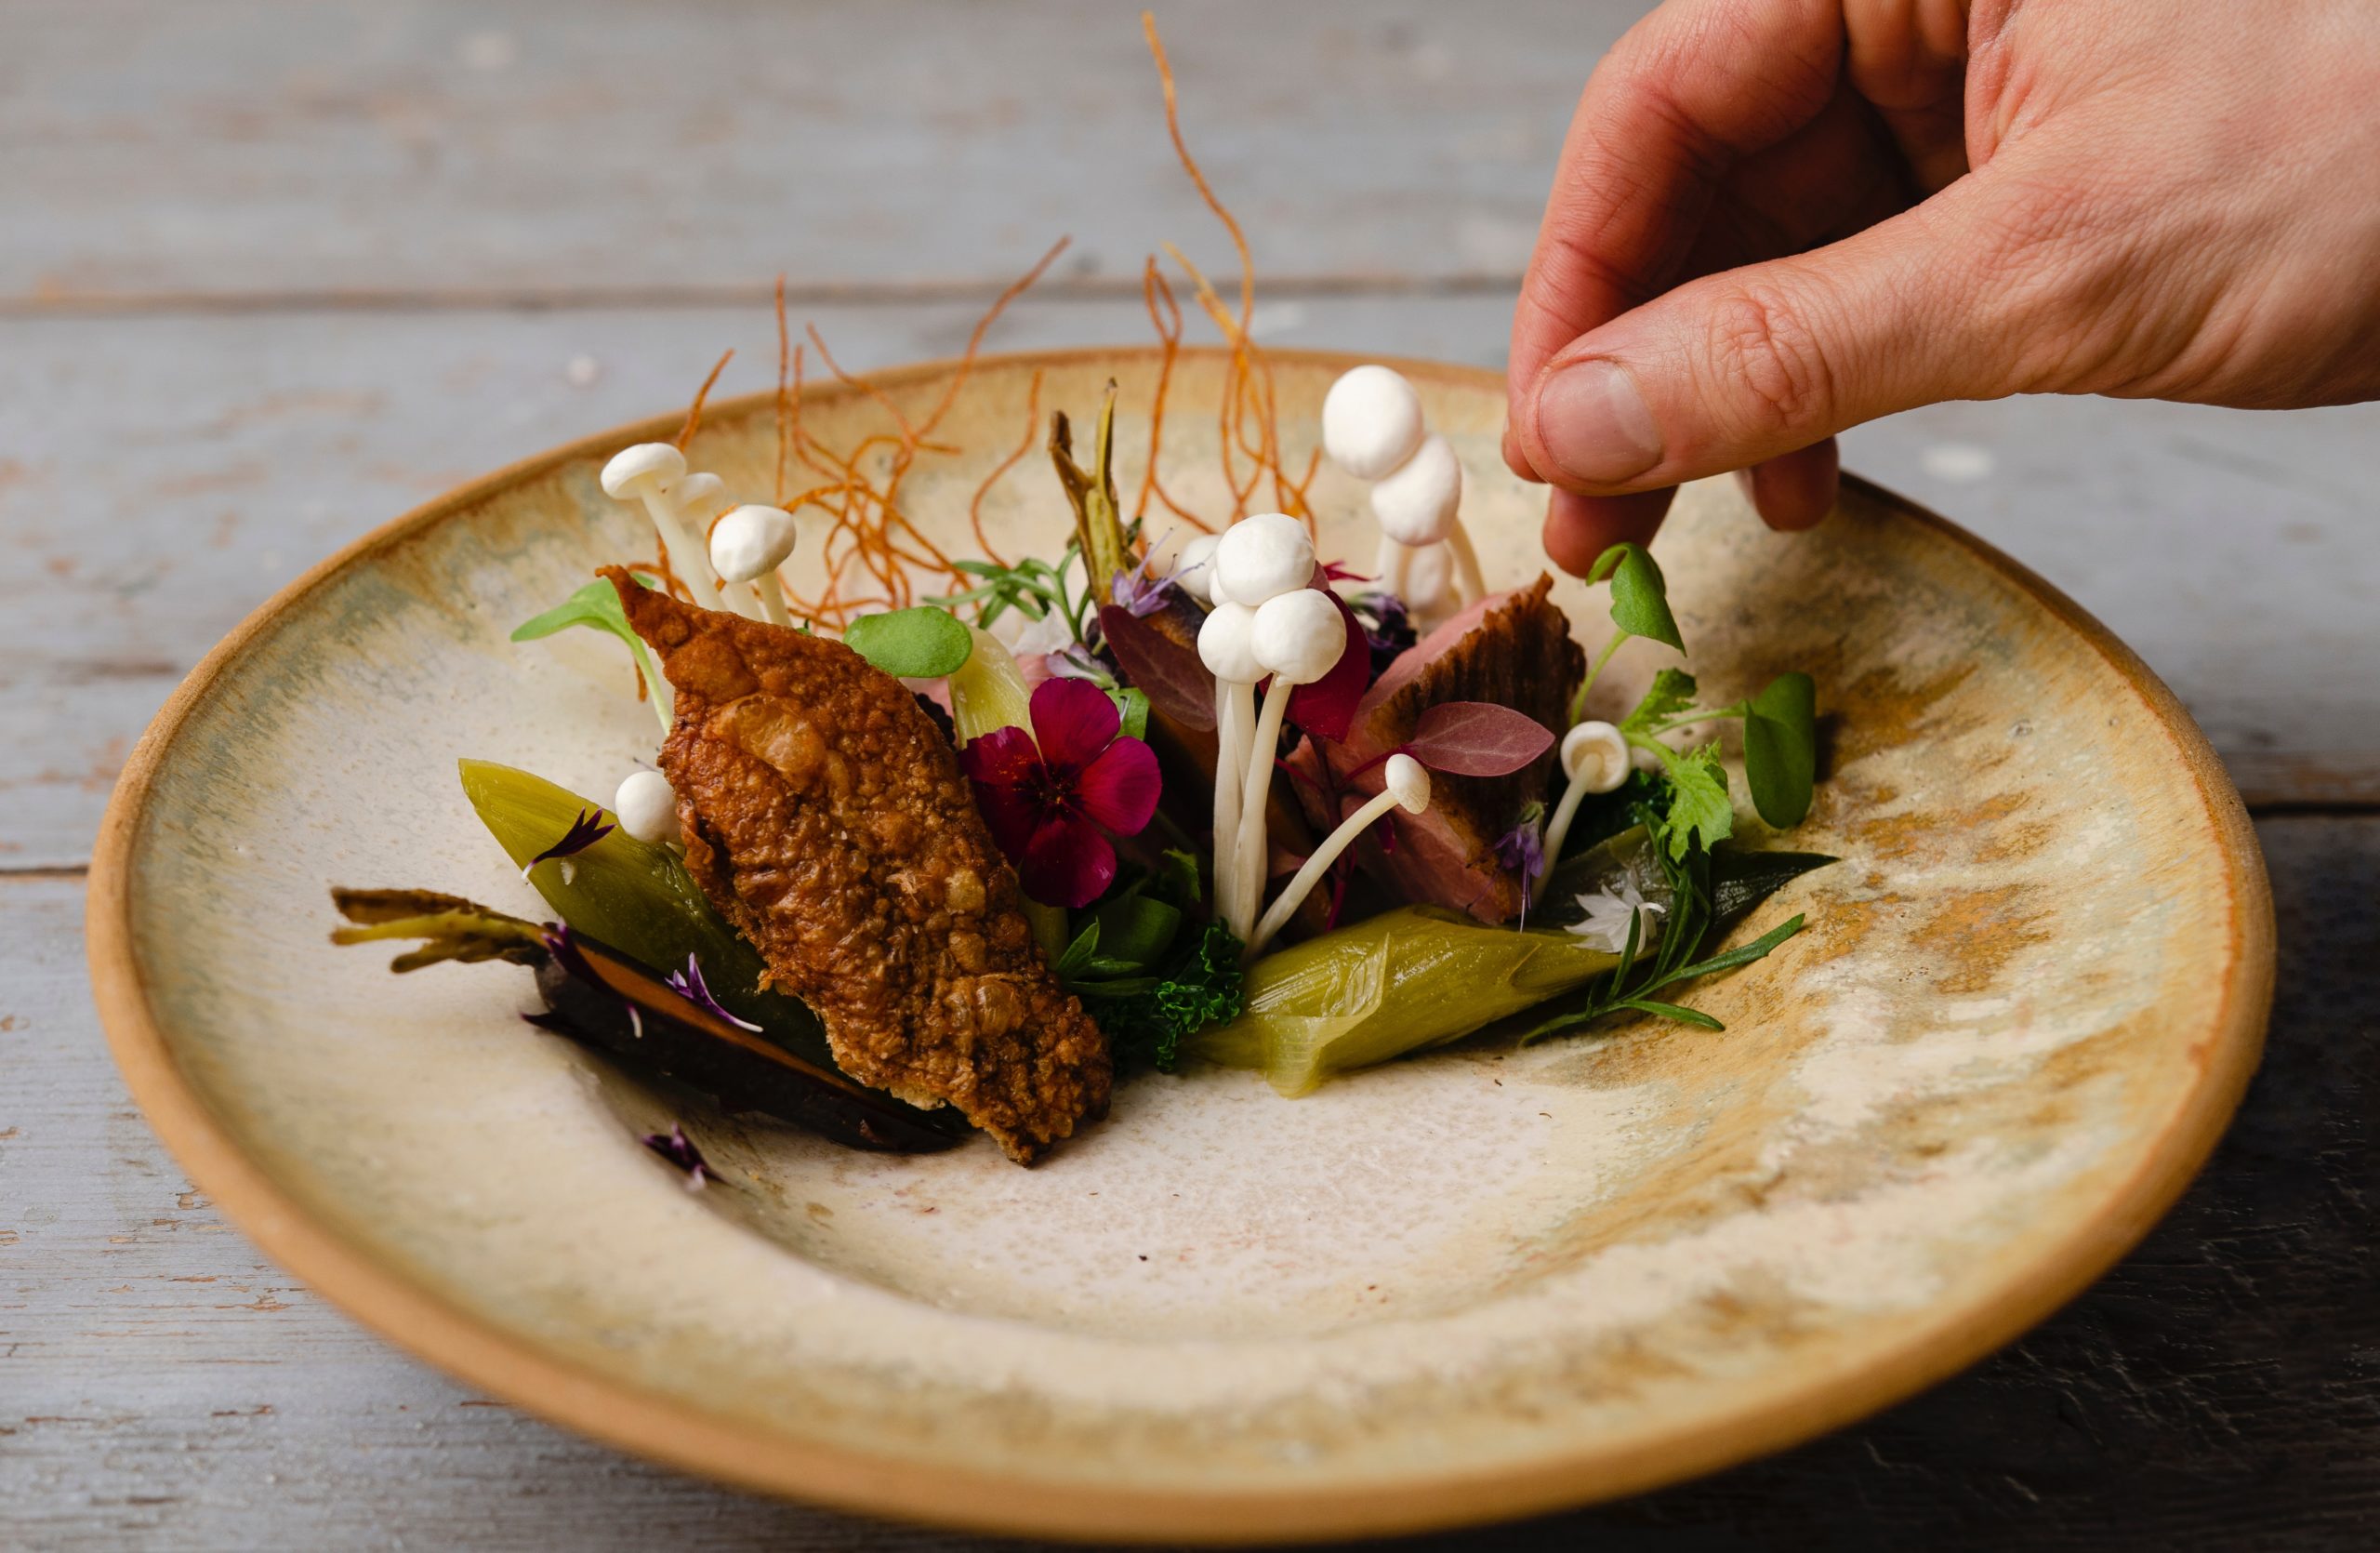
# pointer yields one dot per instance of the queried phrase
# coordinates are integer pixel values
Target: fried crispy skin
(825, 816)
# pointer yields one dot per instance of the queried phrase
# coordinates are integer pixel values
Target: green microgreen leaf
(1132, 707)
(1672, 1011)
(1780, 748)
(597, 605)
(1135, 930)
(1671, 693)
(1640, 595)
(923, 643)
(1699, 811)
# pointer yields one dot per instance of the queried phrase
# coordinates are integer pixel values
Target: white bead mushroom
(701, 496)
(748, 545)
(1408, 788)
(1371, 421)
(1297, 638)
(1372, 428)
(1226, 644)
(1194, 569)
(647, 805)
(1594, 759)
(1262, 556)
(647, 473)
(1416, 504)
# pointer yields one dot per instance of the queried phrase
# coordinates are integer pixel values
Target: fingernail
(1594, 425)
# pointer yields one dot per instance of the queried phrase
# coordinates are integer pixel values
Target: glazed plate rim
(632, 1418)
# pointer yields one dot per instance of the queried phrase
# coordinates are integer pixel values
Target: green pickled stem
(1401, 982)
(636, 896)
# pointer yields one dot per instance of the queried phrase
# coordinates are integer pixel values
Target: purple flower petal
(584, 831)
(1120, 787)
(689, 985)
(678, 1149)
(1068, 863)
(1006, 770)
(1073, 720)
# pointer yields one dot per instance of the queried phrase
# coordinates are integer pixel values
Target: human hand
(1777, 218)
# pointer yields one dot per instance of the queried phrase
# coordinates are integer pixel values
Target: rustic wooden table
(272, 274)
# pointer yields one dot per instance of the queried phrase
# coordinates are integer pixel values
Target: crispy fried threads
(825, 817)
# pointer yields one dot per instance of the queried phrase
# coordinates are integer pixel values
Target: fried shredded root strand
(874, 555)
(1250, 413)
(695, 411)
(1024, 446)
(785, 414)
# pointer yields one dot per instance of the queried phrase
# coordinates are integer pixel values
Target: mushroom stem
(1468, 582)
(771, 593)
(1231, 731)
(1395, 566)
(688, 559)
(1256, 790)
(1293, 893)
(1557, 829)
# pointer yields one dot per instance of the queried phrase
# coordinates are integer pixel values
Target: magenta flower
(1050, 806)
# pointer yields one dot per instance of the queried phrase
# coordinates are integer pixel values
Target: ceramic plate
(1461, 1288)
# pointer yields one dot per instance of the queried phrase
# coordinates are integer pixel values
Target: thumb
(1735, 368)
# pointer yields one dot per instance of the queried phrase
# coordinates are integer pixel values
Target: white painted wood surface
(270, 274)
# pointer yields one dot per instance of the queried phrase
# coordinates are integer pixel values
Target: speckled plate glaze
(1457, 1289)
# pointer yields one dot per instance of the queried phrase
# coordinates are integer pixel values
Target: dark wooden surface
(270, 274)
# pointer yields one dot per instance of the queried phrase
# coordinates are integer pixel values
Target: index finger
(1688, 91)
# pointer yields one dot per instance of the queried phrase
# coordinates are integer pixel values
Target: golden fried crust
(825, 816)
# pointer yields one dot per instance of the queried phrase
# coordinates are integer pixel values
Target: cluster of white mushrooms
(1268, 620)
(1373, 429)
(737, 570)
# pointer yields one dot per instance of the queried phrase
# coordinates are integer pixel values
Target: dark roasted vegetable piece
(592, 989)
(601, 998)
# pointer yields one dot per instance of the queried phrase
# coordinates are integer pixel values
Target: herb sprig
(1688, 878)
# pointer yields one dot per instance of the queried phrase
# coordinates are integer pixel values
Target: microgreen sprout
(598, 604)
(1640, 606)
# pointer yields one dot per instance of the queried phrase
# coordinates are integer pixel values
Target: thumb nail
(1594, 425)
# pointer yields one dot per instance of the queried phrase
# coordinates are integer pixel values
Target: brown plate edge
(663, 1429)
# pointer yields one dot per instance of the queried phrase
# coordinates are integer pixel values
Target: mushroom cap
(1227, 644)
(701, 495)
(1299, 635)
(1416, 502)
(1194, 569)
(1598, 752)
(647, 805)
(751, 541)
(1408, 779)
(656, 464)
(1371, 421)
(1262, 557)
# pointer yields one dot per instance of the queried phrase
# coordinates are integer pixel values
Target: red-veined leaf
(1169, 674)
(1327, 708)
(1477, 738)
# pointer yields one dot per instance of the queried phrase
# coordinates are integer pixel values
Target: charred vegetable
(655, 1023)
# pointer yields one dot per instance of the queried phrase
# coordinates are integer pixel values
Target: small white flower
(1024, 636)
(1608, 918)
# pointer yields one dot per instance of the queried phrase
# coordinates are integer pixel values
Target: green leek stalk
(636, 896)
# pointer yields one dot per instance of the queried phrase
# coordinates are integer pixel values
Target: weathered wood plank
(445, 146)
(161, 476)
(161, 1387)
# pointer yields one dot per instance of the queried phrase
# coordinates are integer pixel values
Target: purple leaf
(1170, 675)
(1327, 707)
(584, 831)
(1477, 738)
